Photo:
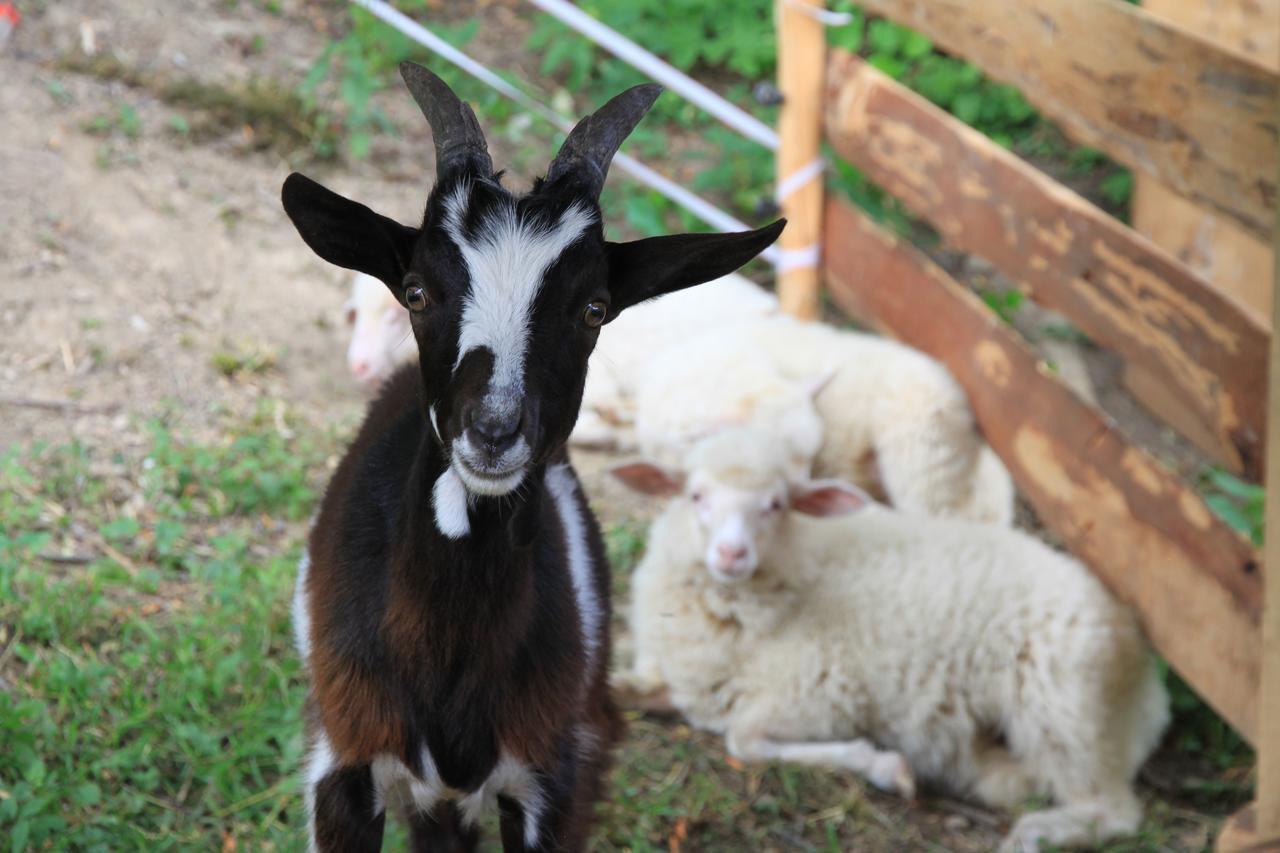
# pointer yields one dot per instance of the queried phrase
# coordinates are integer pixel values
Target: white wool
(627, 345)
(997, 667)
(381, 335)
(889, 419)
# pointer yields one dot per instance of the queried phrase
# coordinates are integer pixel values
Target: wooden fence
(1205, 123)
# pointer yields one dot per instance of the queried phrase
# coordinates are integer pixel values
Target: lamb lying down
(971, 656)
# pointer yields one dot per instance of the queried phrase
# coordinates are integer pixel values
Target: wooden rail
(1194, 582)
(1204, 350)
(1151, 95)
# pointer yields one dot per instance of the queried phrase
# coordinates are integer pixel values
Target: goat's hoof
(891, 772)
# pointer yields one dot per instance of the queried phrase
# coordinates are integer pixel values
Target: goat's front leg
(345, 815)
(885, 769)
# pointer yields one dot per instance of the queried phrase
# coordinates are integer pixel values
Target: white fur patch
(435, 424)
(506, 262)
(517, 781)
(450, 501)
(394, 784)
(563, 490)
(320, 760)
(301, 618)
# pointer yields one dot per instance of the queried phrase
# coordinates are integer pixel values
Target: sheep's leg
(344, 811)
(1076, 823)
(885, 769)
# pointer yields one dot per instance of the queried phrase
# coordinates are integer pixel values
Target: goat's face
(507, 293)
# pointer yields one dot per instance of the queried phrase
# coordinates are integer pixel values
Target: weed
(1004, 302)
(276, 118)
(243, 360)
(1240, 504)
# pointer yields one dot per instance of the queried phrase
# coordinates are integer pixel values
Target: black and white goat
(453, 610)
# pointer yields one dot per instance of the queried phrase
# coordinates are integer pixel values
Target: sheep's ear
(643, 269)
(825, 498)
(348, 234)
(649, 479)
(815, 385)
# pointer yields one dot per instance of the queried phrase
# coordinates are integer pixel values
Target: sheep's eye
(351, 316)
(775, 504)
(415, 297)
(696, 497)
(594, 314)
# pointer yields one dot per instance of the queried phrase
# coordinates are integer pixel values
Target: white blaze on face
(506, 260)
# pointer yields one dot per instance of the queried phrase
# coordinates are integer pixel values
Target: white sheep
(381, 337)
(888, 418)
(970, 655)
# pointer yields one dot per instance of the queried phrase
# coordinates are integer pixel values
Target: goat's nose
(361, 368)
(496, 430)
(731, 553)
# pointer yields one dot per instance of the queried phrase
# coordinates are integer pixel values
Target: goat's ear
(825, 498)
(649, 479)
(643, 269)
(346, 233)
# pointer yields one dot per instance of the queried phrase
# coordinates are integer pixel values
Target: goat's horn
(459, 140)
(591, 144)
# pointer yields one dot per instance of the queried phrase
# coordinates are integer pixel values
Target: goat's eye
(416, 297)
(696, 497)
(594, 314)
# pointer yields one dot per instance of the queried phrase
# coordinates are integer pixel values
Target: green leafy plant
(1004, 302)
(1240, 504)
(359, 65)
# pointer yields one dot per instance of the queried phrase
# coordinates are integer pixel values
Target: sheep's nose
(731, 554)
(361, 369)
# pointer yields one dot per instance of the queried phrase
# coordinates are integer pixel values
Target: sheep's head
(739, 488)
(381, 337)
(507, 293)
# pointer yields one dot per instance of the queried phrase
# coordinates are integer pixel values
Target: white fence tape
(695, 204)
(662, 72)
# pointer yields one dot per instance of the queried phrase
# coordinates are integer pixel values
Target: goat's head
(507, 293)
(739, 485)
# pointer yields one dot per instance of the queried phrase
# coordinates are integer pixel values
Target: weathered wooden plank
(1125, 292)
(1214, 247)
(1268, 799)
(1194, 583)
(1250, 28)
(1150, 94)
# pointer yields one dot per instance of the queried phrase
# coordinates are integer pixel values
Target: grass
(150, 695)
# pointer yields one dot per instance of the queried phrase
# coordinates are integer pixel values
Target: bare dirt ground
(146, 270)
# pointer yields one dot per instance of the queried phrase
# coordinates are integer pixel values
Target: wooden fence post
(802, 64)
(1256, 828)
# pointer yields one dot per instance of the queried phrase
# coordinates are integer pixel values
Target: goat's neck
(469, 581)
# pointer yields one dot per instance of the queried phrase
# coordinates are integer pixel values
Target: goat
(891, 645)
(453, 604)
